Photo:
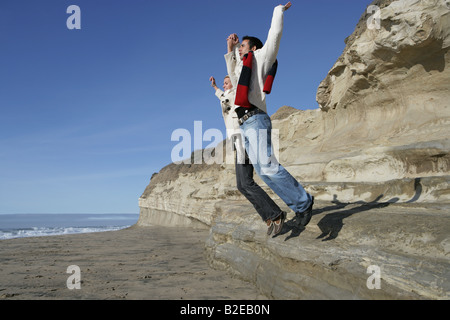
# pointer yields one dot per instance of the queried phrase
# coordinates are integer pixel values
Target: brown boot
(278, 224)
(270, 224)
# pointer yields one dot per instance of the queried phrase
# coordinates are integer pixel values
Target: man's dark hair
(253, 41)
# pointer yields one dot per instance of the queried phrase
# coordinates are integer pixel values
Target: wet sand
(134, 263)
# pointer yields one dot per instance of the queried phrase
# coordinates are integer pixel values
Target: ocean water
(36, 225)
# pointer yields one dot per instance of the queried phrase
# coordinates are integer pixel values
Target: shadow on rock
(331, 224)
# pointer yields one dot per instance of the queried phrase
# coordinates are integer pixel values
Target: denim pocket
(250, 120)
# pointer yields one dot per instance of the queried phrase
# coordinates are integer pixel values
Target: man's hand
(232, 40)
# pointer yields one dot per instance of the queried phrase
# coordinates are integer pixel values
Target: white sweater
(229, 116)
(231, 122)
(263, 59)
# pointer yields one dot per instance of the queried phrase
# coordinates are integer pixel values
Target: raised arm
(231, 58)
(272, 44)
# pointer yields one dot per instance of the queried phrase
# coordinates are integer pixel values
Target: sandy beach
(134, 263)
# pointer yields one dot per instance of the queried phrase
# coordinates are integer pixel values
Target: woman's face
(227, 85)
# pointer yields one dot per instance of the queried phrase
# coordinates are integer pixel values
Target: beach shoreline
(151, 263)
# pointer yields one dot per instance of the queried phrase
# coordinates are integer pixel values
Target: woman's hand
(213, 82)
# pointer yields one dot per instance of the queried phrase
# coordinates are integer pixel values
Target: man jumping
(251, 67)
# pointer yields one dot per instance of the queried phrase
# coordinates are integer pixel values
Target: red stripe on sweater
(244, 82)
(268, 84)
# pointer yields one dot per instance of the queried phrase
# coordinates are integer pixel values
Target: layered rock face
(376, 157)
(386, 99)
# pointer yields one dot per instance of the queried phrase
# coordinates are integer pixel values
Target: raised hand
(232, 40)
(213, 82)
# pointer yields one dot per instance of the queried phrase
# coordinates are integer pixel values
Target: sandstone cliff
(375, 156)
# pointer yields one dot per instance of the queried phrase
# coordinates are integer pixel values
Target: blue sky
(86, 116)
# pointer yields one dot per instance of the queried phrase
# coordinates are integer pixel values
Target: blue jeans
(257, 131)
